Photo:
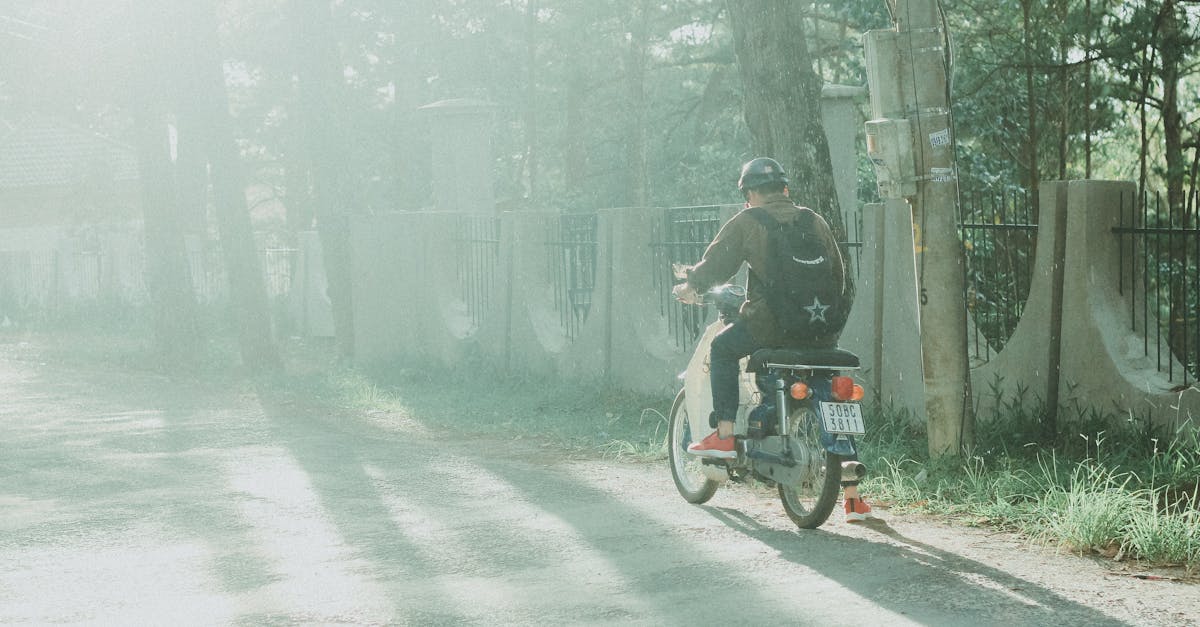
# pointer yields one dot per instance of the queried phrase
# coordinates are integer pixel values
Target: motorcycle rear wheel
(810, 503)
(686, 469)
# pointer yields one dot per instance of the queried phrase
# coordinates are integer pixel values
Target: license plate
(842, 418)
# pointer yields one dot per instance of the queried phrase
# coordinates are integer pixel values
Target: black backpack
(802, 285)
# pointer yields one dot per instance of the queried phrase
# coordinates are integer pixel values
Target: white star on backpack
(817, 310)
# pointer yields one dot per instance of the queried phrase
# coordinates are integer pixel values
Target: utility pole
(911, 143)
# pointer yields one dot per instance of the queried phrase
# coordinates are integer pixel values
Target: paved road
(132, 499)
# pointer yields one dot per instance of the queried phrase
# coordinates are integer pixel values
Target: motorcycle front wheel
(686, 469)
(809, 504)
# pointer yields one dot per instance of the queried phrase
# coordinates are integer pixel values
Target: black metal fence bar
(52, 283)
(29, 280)
(1159, 252)
(279, 269)
(571, 248)
(684, 234)
(681, 239)
(852, 250)
(999, 234)
(478, 245)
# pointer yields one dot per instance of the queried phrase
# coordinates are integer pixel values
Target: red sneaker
(857, 510)
(713, 446)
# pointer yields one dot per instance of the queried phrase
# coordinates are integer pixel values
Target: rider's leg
(728, 348)
(856, 508)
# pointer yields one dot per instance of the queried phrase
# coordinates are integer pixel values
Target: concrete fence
(411, 303)
(1076, 346)
(414, 301)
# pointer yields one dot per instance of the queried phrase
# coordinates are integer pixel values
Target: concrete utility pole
(910, 142)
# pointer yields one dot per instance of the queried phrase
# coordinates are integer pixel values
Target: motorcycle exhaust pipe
(853, 471)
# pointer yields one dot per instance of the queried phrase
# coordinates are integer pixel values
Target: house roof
(44, 152)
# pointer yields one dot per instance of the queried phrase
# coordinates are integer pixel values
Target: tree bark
(1146, 74)
(1172, 120)
(782, 105)
(635, 80)
(783, 100)
(1087, 93)
(320, 73)
(575, 162)
(204, 118)
(1032, 138)
(1171, 43)
(531, 101)
(1065, 91)
(168, 279)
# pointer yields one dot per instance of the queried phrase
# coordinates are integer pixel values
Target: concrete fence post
(899, 360)
(1025, 372)
(1104, 361)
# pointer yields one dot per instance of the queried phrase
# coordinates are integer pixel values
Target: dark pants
(730, 345)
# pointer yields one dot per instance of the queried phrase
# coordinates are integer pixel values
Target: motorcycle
(796, 424)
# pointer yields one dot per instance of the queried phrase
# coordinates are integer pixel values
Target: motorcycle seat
(802, 359)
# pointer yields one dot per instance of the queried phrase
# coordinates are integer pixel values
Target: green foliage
(1053, 75)
(1166, 537)
(574, 82)
(1092, 510)
(999, 233)
(1094, 487)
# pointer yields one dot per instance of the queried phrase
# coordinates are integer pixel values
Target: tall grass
(1103, 484)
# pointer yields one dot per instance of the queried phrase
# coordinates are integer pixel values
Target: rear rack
(809, 367)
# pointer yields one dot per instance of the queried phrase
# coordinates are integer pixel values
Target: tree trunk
(168, 280)
(1146, 75)
(1030, 105)
(410, 148)
(204, 117)
(531, 102)
(783, 100)
(1172, 120)
(1064, 86)
(298, 189)
(635, 80)
(1087, 92)
(1172, 125)
(320, 75)
(575, 161)
(782, 105)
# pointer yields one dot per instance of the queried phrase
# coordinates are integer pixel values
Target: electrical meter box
(889, 146)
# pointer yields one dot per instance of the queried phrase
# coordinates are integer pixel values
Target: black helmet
(759, 172)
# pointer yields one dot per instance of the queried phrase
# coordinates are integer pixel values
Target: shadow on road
(923, 582)
(309, 514)
(503, 521)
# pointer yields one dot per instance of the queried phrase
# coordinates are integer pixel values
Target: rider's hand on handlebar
(686, 294)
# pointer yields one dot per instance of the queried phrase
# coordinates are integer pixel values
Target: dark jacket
(744, 239)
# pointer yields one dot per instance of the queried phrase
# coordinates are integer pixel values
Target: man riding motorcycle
(744, 238)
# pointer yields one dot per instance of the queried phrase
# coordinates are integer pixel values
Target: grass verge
(1100, 487)
(577, 416)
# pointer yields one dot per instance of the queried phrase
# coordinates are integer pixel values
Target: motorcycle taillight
(842, 388)
(799, 390)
